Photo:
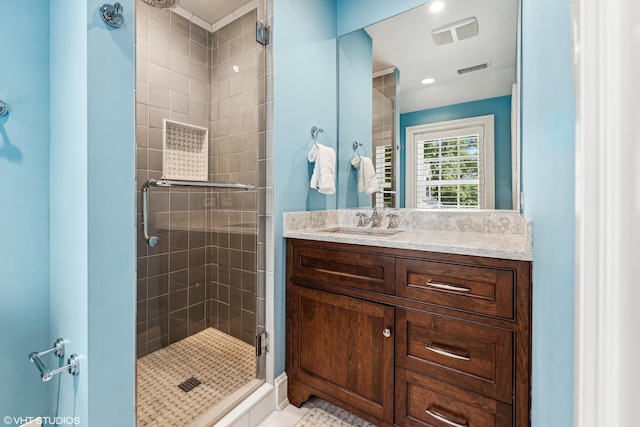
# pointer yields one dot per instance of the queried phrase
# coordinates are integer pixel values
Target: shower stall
(200, 132)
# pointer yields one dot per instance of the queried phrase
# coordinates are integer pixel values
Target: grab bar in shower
(46, 374)
(153, 183)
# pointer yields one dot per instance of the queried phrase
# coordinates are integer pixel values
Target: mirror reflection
(430, 97)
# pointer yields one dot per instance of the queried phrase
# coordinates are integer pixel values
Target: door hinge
(262, 344)
(263, 33)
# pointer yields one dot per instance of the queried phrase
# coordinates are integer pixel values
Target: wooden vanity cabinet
(409, 338)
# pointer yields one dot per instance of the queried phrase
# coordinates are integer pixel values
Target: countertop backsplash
(506, 234)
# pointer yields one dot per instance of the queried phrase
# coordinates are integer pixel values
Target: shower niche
(200, 105)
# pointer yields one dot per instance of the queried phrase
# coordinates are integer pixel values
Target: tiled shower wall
(204, 271)
(232, 253)
(384, 105)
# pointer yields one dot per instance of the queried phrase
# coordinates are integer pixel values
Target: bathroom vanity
(422, 326)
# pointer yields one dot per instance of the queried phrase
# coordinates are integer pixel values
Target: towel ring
(315, 130)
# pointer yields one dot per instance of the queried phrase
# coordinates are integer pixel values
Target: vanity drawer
(422, 401)
(483, 290)
(471, 355)
(366, 271)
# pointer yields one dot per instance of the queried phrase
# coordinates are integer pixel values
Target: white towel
(367, 180)
(324, 171)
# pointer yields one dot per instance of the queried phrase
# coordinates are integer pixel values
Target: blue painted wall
(24, 205)
(305, 94)
(548, 111)
(92, 211)
(355, 56)
(111, 220)
(501, 109)
(69, 234)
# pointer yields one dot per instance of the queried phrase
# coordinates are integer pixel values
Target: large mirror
(431, 97)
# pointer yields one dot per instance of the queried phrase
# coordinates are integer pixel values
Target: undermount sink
(362, 231)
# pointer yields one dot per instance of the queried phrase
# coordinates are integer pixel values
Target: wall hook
(112, 15)
(315, 130)
(4, 108)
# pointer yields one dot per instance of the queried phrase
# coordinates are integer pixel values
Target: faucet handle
(361, 217)
(393, 220)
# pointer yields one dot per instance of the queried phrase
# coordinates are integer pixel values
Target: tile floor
(288, 417)
(314, 413)
(222, 364)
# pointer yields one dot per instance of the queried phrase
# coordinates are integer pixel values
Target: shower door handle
(151, 240)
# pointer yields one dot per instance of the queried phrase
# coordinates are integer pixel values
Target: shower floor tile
(219, 361)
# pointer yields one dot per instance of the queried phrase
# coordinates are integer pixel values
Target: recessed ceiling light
(436, 6)
(428, 81)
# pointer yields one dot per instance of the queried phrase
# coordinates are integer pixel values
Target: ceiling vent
(473, 68)
(456, 31)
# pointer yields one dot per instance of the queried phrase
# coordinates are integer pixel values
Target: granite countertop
(494, 234)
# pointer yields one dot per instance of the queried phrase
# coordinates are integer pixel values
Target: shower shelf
(153, 183)
(185, 152)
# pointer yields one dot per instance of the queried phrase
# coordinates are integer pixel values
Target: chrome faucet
(375, 220)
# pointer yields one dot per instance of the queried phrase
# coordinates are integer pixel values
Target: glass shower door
(199, 303)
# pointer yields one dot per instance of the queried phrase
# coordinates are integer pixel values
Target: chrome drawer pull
(443, 352)
(447, 287)
(444, 419)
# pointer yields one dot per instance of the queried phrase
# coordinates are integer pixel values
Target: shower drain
(189, 384)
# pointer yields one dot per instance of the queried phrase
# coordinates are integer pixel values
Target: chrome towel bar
(153, 183)
(169, 183)
(73, 364)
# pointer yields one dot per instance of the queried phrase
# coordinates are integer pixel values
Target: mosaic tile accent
(219, 361)
(186, 152)
(325, 414)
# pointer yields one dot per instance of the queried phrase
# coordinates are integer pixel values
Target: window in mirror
(384, 173)
(450, 164)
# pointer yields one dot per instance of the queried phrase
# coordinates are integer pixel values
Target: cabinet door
(339, 346)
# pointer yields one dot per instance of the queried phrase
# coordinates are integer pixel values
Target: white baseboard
(252, 411)
(33, 423)
(280, 384)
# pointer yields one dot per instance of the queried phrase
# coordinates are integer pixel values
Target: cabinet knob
(386, 332)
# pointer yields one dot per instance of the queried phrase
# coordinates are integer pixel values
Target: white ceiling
(212, 11)
(404, 41)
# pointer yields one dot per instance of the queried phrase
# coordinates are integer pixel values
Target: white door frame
(606, 45)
